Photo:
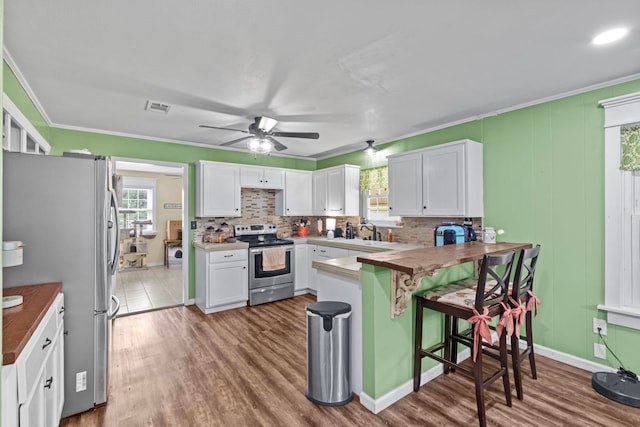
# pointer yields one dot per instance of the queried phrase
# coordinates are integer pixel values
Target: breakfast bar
(388, 281)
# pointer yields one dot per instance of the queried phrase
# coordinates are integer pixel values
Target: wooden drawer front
(227, 256)
(30, 363)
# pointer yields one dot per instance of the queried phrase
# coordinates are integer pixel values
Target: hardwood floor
(247, 367)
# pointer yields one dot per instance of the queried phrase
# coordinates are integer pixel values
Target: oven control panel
(254, 229)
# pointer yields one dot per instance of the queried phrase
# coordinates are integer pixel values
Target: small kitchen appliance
(267, 285)
(348, 233)
(449, 233)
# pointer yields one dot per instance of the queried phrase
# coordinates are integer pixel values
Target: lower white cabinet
(302, 270)
(33, 388)
(222, 280)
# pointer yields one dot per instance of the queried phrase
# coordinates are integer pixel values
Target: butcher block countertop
(20, 322)
(426, 261)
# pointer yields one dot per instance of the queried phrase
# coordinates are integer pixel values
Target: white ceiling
(350, 70)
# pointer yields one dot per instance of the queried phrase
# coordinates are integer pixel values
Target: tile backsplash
(258, 206)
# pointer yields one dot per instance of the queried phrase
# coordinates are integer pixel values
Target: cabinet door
(313, 254)
(274, 178)
(301, 273)
(443, 186)
(251, 177)
(51, 380)
(59, 351)
(335, 192)
(405, 185)
(228, 283)
(298, 193)
(320, 193)
(32, 411)
(218, 190)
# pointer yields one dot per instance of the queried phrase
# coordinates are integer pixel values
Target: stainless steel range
(267, 284)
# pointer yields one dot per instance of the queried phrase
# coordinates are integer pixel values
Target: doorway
(153, 265)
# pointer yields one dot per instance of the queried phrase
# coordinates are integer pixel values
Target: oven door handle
(259, 250)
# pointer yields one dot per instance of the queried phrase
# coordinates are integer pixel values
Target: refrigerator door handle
(116, 249)
(115, 311)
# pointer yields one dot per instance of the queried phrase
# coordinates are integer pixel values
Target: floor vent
(160, 107)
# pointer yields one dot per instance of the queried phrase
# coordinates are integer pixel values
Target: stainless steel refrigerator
(65, 212)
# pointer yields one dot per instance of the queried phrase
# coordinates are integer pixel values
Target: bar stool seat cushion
(461, 293)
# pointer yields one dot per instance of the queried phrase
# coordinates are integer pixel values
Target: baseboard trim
(388, 399)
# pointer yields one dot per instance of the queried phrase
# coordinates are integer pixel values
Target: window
(622, 210)
(138, 202)
(374, 184)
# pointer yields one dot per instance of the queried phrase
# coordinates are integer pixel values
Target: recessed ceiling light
(610, 36)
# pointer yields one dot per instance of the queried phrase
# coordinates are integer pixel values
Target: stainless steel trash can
(328, 354)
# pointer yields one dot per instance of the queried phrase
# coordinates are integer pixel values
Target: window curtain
(374, 179)
(630, 139)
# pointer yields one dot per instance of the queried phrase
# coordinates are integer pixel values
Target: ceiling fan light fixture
(260, 145)
(370, 150)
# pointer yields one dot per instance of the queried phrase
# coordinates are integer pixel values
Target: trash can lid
(329, 308)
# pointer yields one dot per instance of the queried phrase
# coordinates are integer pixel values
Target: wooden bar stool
(519, 310)
(476, 303)
(526, 303)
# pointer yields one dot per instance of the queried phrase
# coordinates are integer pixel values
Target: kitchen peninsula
(387, 281)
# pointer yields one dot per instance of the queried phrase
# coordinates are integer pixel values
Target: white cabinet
(217, 189)
(336, 191)
(440, 181)
(222, 280)
(295, 200)
(33, 388)
(302, 271)
(257, 177)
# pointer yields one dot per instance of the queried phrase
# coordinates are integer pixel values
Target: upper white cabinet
(217, 189)
(445, 180)
(257, 177)
(336, 191)
(18, 133)
(295, 200)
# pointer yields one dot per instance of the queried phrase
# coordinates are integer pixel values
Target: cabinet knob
(260, 180)
(424, 207)
(236, 208)
(48, 382)
(244, 267)
(47, 343)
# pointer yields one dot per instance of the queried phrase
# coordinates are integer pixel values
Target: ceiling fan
(261, 135)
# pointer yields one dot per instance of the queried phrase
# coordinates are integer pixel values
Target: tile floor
(148, 289)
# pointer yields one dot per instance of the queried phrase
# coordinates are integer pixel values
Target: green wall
(15, 91)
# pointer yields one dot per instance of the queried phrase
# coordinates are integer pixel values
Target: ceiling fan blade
(235, 141)
(216, 127)
(308, 135)
(276, 144)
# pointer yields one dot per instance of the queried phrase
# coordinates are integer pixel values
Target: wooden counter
(411, 266)
(20, 322)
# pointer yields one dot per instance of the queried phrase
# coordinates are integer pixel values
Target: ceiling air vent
(159, 107)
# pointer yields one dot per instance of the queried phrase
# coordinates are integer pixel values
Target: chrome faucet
(371, 228)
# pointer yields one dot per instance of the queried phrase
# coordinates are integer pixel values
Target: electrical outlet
(194, 225)
(599, 351)
(599, 323)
